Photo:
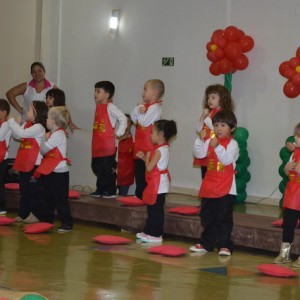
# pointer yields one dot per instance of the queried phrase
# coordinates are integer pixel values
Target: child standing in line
(27, 160)
(291, 203)
(104, 163)
(158, 180)
(217, 97)
(218, 188)
(125, 171)
(5, 134)
(144, 115)
(54, 168)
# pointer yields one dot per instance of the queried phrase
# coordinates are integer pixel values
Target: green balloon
(32, 297)
(243, 152)
(285, 154)
(282, 185)
(241, 134)
(240, 170)
(281, 170)
(245, 160)
(242, 144)
(246, 176)
(241, 197)
(240, 185)
(290, 139)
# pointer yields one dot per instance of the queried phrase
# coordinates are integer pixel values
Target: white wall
(79, 52)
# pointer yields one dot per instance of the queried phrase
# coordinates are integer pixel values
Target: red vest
(103, 141)
(218, 178)
(125, 169)
(27, 153)
(3, 148)
(209, 134)
(292, 191)
(153, 181)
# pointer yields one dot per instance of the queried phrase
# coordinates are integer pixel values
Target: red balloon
(225, 65)
(291, 90)
(294, 62)
(285, 70)
(219, 53)
(298, 52)
(233, 50)
(241, 33)
(231, 34)
(208, 45)
(211, 56)
(296, 79)
(246, 43)
(214, 69)
(241, 63)
(216, 35)
(221, 42)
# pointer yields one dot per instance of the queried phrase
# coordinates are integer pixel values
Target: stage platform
(252, 222)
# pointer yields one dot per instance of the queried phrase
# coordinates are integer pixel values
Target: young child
(291, 203)
(216, 98)
(125, 171)
(104, 163)
(54, 168)
(144, 115)
(5, 134)
(158, 180)
(27, 160)
(218, 188)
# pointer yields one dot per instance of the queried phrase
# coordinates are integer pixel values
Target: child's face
(213, 100)
(297, 140)
(50, 101)
(31, 114)
(222, 130)
(101, 96)
(50, 123)
(149, 93)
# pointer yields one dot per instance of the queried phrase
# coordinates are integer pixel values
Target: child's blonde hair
(60, 115)
(158, 85)
(297, 130)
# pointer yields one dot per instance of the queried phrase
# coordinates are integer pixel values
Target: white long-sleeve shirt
(116, 115)
(5, 135)
(152, 114)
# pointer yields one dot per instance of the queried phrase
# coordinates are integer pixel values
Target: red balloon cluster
(290, 69)
(226, 50)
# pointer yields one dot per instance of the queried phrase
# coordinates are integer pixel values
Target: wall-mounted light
(114, 22)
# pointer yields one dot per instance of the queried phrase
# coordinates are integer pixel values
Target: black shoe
(96, 194)
(64, 228)
(108, 195)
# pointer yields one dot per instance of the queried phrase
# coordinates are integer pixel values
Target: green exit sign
(168, 61)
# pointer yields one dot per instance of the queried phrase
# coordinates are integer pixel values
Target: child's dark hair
(225, 116)
(4, 106)
(58, 96)
(107, 86)
(41, 112)
(37, 63)
(168, 127)
(226, 101)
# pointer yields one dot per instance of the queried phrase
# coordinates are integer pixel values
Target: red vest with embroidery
(209, 134)
(218, 178)
(292, 191)
(27, 154)
(3, 148)
(103, 142)
(153, 181)
(125, 169)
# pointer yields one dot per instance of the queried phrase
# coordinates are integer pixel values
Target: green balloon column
(285, 155)
(242, 176)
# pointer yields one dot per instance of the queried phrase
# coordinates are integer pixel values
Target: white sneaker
(224, 252)
(151, 239)
(198, 248)
(31, 219)
(139, 235)
(3, 212)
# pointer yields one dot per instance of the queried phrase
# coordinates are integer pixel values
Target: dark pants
(123, 189)
(216, 216)
(3, 170)
(156, 216)
(56, 190)
(203, 171)
(290, 219)
(139, 174)
(105, 169)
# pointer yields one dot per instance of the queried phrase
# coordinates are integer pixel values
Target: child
(27, 160)
(144, 115)
(5, 134)
(54, 167)
(291, 203)
(158, 180)
(218, 189)
(125, 171)
(104, 163)
(217, 97)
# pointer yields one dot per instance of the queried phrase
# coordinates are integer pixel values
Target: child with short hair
(28, 159)
(158, 179)
(125, 171)
(291, 203)
(144, 115)
(5, 134)
(218, 188)
(104, 163)
(54, 168)
(216, 98)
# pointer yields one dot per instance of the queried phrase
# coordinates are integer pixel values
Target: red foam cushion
(111, 239)
(73, 194)
(6, 220)
(168, 250)
(275, 270)
(130, 201)
(38, 227)
(12, 186)
(185, 210)
(279, 222)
